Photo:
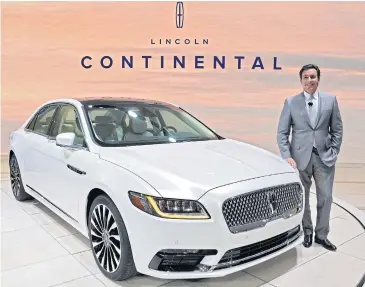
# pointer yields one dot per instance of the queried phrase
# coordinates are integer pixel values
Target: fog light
(181, 260)
(203, 268)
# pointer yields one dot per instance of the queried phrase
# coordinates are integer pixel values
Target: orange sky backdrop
(43, 43)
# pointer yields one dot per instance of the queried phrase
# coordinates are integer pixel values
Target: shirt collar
(307, 96)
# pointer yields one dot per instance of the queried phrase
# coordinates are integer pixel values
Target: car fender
(115, 181)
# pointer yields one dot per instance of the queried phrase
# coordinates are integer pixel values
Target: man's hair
(310, 66)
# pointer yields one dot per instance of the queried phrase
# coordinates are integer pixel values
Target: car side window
(44, 118)
(68, 121)
(30, 125)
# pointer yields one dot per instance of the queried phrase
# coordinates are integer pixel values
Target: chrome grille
(255, 209)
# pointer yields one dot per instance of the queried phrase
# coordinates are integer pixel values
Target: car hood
(190, 169)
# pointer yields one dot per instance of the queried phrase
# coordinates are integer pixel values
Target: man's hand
(292, 162)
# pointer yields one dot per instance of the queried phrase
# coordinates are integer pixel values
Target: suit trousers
(323, 176)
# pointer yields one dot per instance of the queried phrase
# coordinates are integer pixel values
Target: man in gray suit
(315, 121)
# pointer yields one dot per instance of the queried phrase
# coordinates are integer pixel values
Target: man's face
(310, 81)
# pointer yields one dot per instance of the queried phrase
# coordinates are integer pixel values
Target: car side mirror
(65, 139)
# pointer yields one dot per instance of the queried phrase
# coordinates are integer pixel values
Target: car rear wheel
(109, 240)
(16, 180)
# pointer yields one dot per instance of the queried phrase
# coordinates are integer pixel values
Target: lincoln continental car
(154, 189)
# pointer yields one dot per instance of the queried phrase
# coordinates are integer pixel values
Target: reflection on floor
(39, 249)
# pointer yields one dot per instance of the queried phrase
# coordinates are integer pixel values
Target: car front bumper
(182, 249)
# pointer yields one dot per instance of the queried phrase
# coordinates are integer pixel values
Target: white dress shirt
(315, 101)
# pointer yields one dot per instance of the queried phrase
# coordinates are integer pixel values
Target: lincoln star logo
(273, 203)
(179, 14)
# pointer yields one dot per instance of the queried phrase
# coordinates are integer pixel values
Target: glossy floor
(39, 249)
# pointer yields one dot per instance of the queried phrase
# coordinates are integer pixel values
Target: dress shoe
(308, 240)
(325, 243)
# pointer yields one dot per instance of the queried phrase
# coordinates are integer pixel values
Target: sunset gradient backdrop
(43, 43)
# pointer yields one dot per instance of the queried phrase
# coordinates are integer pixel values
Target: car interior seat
(67, 128)
(105, 128)
(137, 130)
(43, 126)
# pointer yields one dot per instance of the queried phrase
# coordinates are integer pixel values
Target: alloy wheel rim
(14, 176)
(105, 238)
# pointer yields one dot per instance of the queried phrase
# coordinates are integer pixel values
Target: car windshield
(144, 123)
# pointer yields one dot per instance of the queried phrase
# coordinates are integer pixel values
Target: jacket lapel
(303, 109)
(321, 105)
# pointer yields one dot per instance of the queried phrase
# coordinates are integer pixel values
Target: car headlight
(168, 208)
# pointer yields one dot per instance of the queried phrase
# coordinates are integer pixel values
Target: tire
(16, 180)
(122, 267)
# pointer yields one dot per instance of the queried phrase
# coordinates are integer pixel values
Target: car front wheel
(109, 240)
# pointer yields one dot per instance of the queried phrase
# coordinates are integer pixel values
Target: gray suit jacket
(327, 131)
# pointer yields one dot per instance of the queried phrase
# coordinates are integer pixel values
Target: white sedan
(154, 189)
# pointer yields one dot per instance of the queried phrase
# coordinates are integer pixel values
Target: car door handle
(76, 169)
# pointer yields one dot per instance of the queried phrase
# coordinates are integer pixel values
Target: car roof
(120, 101)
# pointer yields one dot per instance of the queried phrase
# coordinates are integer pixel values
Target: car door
(35, 160)
(68, 178)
